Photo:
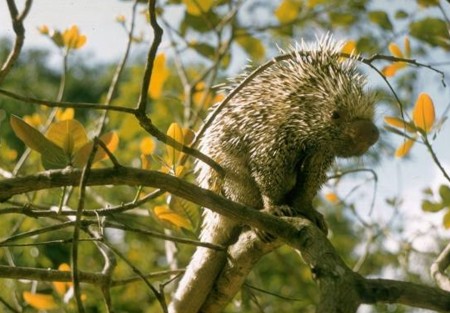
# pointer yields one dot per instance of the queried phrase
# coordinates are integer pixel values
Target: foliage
(207, 42)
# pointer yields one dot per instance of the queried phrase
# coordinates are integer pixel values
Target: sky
(95, 18)
(106, 42)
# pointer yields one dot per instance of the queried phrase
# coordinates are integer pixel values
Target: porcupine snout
(364, 134)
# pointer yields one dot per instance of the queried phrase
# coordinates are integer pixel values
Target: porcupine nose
(365, 135)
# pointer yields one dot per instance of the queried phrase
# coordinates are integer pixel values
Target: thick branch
(341, 289)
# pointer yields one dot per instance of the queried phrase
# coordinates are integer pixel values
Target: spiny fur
(275, 137)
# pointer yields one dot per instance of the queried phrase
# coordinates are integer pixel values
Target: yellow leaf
(407, 47)
(34, 119)
(165, 214)
(52, 155)
(40, 301)
(147, 145)
(43, 29)
(395, 50)
(390, 70)
(111, 140)
(159, 76)
(146, 161)
(176, 133)
(332, 197)
(120, 19)
(188, 136)
(61, 287)
(398, 122)
(68, 134)
(197, 7)
(287, 11)
(67, 114)
(72, 38)
(404, 148)
(349, 47)
(446, 220)
(423, 113)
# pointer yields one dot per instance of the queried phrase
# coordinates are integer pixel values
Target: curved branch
(17, 23)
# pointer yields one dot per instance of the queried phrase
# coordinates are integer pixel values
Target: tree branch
(17, 23)
(341, 289)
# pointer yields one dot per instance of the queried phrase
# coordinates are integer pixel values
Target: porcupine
(275, 140)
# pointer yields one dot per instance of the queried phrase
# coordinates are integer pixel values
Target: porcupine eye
(335, 115)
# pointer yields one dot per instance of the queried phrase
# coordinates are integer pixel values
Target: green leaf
(342, 19)
(381, 19)
(429, 206)
(252, 46)
(400, 14)
(203, 49)
(428, 3)
(432, 31)
(52, 156)
(444, 192)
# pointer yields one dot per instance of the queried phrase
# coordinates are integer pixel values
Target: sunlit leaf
(196, 7)
(349, 47)
(186, 208)
(391, 70)
(428, 3)
(43, 29)
(404, 148)
(40, 301)
(188, 136)
(395, 50)
(57, 38)
(444, 192)
(72, 38)
(399, 123)
(341, 18)
(428, 206)
(159, 76)
(252, 46)
(61, 287)
(67, 134)
(81, 156)
(446, 220)
(423, 113)
(407, 46)
(120, 19)
(175, 131)
(287, 11)
(332, 197)
(164, 213)
(431, 30)
(34, 120)
(146, 161)
(380, 18)
(67, 114)
(53, 156)
(147, 145)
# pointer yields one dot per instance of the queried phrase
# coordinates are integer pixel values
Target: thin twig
(63, 104)
(19, 29)
(157, 36)
(119, 70)
(76, 231)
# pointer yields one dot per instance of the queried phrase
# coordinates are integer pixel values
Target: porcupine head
(288, 124)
